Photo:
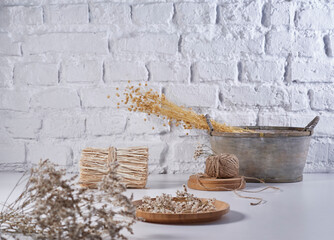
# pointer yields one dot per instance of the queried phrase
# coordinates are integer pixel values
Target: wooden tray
(215, 184)
(183, 218)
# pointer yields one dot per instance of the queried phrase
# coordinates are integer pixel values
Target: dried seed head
(167, 204)
(151, 102)
(52, 207)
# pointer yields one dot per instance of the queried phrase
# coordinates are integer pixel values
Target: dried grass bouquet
(53, 207)
(184, 202)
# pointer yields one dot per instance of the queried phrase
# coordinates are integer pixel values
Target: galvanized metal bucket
(274, 154)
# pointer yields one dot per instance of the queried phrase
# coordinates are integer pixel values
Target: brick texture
(6, 76)
(194, 95)
(106, 123)
(212, 71)
(67, 14)
(148, 43)
(56, 98)
(151, 14)
(169, 71)
(36, 74)
(91, 43)
(20, 15)
(56, 153)
(63, 126)
(12, 153)
(125, 71)
(8, 47)
(110, 13)
(194, 13)
(15, 100)
(22, 126)
(84, 71)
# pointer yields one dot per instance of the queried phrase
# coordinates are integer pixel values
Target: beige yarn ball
(224, 165)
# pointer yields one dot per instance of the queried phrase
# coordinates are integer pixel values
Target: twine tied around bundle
(132, 165)
(112, 155)
(224, 165)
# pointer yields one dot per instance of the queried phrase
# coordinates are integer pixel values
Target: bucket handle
(312, 124)
(208, 121)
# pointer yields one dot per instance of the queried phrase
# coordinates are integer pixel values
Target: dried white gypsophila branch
(203, 150)
(184, 202)
(52, 207)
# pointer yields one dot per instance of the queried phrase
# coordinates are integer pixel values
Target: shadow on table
(159, 236)
(231, 217)
(165, 184)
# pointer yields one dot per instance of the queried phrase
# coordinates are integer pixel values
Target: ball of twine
(224, 165)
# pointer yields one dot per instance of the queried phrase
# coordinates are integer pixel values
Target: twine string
(239, 188)
(109, 160)
(112, 155)
(222, 166)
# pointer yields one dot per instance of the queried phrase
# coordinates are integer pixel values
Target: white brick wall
(148, 43)
(55, 98)
(21, 15)
(21, 126)
(152, 14)
(198, 95)
(213, 71)
(106, 123)
(244, 62)
(125, 71)
(64, 125)
(6, 73)
(194, 13)
(14, 99)
(110, 13)
(8, 47)
(36, 74)
(57, 153)
(90, 43)
(67, 14)
(169, 71)
(81, 71)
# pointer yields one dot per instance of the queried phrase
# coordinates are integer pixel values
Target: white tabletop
(301, 210)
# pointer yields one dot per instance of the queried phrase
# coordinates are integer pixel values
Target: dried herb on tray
(183, 203)
(51, 206)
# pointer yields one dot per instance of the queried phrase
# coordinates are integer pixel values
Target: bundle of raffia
(132, 163)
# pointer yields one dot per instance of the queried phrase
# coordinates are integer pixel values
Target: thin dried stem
(10, 194)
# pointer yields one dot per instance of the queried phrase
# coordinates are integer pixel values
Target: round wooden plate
(183, 218)
(215, 184)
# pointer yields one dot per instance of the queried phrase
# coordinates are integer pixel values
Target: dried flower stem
(52, 207)
(203, 150)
